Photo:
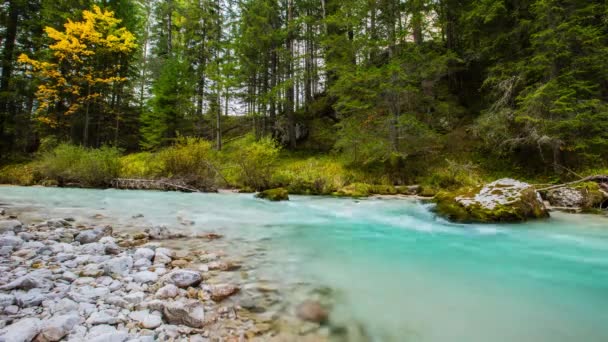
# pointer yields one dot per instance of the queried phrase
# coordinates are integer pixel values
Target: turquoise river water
(401, 272)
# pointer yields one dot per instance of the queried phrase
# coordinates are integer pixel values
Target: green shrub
(80, 165)
(140, 165)
(453, 176)
(190, 160)
(19, 174)
(254, 161)
(311, 176)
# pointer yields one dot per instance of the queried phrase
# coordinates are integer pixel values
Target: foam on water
(401, 272)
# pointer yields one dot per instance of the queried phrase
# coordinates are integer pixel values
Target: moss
(521, 210)
(592, 194)
(383, 189)
(354, 190)
(275, 195)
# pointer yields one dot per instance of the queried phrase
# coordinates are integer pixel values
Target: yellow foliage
(73, 74)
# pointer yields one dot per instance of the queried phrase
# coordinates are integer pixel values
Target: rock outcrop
(504, 200)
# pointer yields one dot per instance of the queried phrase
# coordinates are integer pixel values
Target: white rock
(23, 330)
(183, 278)
(69, 276)
(11, 310)
(145, 277)
(91, 270)
(187, 312)
(118, 266)
(6, 299)
(117, 301)
(86, 309)
(105, 317)
(57, 327)
(146, 319)
(158, 232)
(88, 294)
(10, 240)
(64, 305)
(10, 226)
(33, 297)
(142, 263)
(143, 253)
(135, 297)
(118, 336)
(167, 291)
(94, 248)
(115, 285)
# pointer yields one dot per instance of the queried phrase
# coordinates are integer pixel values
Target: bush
(20, 174)
(80, 165)
(453, 176)
(190, 160)
(311, 176)
(139, 165)
(255, 161)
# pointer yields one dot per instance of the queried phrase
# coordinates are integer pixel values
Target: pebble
(68, 283)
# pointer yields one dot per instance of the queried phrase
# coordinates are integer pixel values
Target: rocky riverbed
(66, 280)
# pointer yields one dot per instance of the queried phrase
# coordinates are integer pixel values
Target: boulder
(118, 266)
(167, 291)
(159, 233)
(93, 235)
(275, 195)
(57, 327)
(28, 281)
(143, 253)
(23, 330)
(504, 200)
(10, 226)
(183, 278)
(11, 240)
(585, 196)
(145, 277)
(146, 319)
(221, 292)
(8, 299)
(186, 312)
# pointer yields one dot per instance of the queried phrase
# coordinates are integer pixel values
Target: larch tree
(81, 72)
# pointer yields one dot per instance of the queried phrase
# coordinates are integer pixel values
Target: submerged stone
(504, 200)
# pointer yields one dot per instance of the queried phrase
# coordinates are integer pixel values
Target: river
(391, 265)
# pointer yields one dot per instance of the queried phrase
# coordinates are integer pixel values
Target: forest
(314, 95)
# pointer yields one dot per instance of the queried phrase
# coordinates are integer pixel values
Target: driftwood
(150, 184)
(597, 178)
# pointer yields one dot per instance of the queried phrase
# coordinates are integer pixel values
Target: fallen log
(596, 178)
(150, 184)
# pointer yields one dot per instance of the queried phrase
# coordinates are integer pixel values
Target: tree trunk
(6, 110)
(291, 125)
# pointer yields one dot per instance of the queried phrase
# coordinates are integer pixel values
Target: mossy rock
(505, 200)
(275, 195)
(586, 196)
(366, 190)
(354, 190)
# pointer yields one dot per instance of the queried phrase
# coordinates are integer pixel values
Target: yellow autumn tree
(83, 68)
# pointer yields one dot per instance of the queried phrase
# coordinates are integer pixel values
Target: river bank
(64, 279)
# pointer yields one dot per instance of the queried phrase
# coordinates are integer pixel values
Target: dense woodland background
(390, 87)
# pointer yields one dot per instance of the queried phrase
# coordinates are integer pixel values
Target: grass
(247, 164)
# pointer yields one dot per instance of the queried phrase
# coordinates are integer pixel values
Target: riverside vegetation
(331, 97)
